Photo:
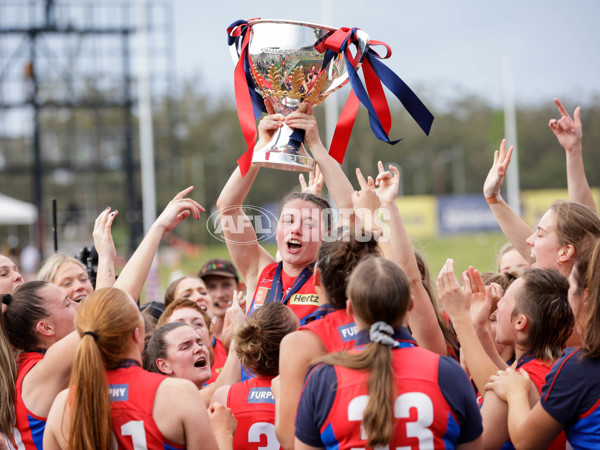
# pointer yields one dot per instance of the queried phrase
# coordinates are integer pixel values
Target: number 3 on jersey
(415, 429)
(259, 429)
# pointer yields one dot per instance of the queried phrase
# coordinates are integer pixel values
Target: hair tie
(6, 299)
(381, 333)
(92, 334)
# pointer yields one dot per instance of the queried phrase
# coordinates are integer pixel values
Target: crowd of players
(342, 342)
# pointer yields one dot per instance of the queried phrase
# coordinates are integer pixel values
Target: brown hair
(24, 308)
(379, 292)
(156, 348)
(257, 340)
(106, 321)
(574, 222)
(543, 298)
(585, 271)
(337, 259)
(187, 303)
(170, 292)
(317, 200)
(504, 280)
(181, 304)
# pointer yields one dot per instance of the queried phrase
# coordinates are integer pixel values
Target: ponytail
(380, 295)
(378, 416)
(90, 407)
(105, 320)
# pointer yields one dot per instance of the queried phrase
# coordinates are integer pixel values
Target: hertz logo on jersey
(304, 299)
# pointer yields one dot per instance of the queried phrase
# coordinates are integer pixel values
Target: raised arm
(247, 254)
(336, 180)
(398, 248)
(133, 276)
(105, 246)
(456, 302)
(569, 133)
(513, 227)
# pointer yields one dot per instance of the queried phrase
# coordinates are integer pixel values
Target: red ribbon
(244, 105)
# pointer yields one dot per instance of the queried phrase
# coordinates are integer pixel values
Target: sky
(441, 48)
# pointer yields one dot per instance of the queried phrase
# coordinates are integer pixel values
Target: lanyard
(529, 356)
(277, 286)
(127, 363)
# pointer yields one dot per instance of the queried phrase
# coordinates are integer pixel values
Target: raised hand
(178, 210)
(102, 234)
(366, 202)
(567, 130)
(481, 296)
(268, 125)
(105, 246)
(454, 299)
(387, 184)
(493, 182)
(303, 119)
(315, 181)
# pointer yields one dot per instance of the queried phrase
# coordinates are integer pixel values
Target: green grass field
(478, 250)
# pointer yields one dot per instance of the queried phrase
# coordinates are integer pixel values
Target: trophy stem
(283, 153)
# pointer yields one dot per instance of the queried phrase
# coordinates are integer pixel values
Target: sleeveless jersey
(132, 392)
(434, 405)
(571, 396)
(28, 432)
(537, 371)
(337, 330)
(302, 303)
(253, 405)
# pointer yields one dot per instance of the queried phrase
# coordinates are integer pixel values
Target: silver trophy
(287, 69)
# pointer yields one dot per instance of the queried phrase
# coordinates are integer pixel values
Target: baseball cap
(218, 267)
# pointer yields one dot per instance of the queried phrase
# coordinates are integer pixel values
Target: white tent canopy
(16, 212)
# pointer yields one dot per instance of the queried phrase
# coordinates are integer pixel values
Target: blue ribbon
(407, 97)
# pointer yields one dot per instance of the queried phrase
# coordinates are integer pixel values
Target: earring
(559, 262)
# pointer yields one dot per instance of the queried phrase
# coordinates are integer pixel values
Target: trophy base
(277, 159)
(284, 154)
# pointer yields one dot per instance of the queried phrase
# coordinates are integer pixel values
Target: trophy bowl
(287, 69)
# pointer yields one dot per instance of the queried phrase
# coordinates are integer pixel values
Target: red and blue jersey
(29, 429)
(571, 395)
(132, 391)
(434, 406)
(337, 330)
(537, 371)
(303, 302)
(253, 406)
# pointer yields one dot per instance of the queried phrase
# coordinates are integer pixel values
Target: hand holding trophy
(292, 62)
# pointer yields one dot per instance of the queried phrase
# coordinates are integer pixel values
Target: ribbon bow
(250, 105)
(375, 73)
